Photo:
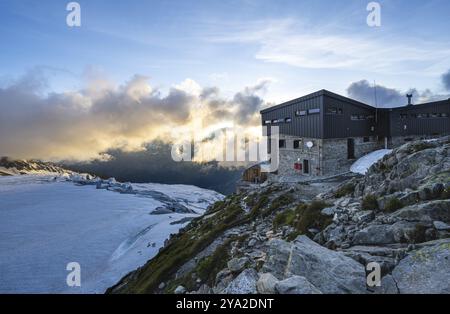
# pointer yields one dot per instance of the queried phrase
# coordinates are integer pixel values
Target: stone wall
(326, 157)
(289, 156)
(334, 159)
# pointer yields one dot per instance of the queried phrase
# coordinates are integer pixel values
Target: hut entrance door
(350, 148)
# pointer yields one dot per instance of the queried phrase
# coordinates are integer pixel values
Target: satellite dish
(309, 144)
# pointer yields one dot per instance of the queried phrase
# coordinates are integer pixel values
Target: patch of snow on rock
(364, 163)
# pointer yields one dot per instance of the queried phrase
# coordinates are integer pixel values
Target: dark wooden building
(323, 132)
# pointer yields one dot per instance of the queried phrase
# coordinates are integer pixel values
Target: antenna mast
(376, 102)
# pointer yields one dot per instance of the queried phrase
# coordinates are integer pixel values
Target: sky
(233, 57)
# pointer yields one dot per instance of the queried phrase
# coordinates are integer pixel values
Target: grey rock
(266, 283)
(374, 234)
(425, 270)
(426, 212)
(328, 211)
(364, 216)
(235, 265)
(296, 285)
(245, 283)
(277, 258)
(161, 286)
(329, 271)
(204, 289)
(388, 286)
(252, 242)
(180, 290)
(439, 225)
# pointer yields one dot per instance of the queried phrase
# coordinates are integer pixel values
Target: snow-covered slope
(363, 164)
(47, 222)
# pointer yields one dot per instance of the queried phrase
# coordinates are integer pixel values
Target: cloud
(287, 41)
(365, 92)
(84, 123)
(389, 97)
(446, 80)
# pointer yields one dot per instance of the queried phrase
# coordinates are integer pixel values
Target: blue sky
(301, 46)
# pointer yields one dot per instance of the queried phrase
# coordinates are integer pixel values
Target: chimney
(409, 99)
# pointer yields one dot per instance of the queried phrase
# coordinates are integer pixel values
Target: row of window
(298, 113)
(404, 116)
(357, 117)
(297, 144)
(335, 110)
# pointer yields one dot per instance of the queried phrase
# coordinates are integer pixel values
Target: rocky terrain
(318, 237)
(9, 167)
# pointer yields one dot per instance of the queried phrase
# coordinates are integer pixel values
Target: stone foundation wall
(326, 157)
(289, 156)
(334, 158)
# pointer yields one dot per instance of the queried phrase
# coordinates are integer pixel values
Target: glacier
(48, 221)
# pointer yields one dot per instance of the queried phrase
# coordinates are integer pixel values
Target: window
(314, 111)
(370, 117)
(444, 115)
(300, 113)
(332, 110)
(288, 120)
(282, 143)
(435, 115)
(366, 139)
(297, 144)
(357, 117)
(274, 121)
(267, 122)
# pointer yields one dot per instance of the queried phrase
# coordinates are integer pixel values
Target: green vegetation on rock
(392, 205)
(369, 202)
(302, 218)
(344, 190)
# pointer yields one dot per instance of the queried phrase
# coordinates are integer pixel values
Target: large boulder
(277, 258)
(427, 212)
(374, 234)
(425, 270)
(399, 232)
(266, 283)
(245, 283)
(296, 285)
(329, 271)
(235, 265)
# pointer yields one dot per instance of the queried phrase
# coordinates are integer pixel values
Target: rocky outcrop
(296, 285)
(318, 237)
(244, 283)
(425, 270)
(329, 271)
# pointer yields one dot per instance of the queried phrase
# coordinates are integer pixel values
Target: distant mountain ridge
(9, 167)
